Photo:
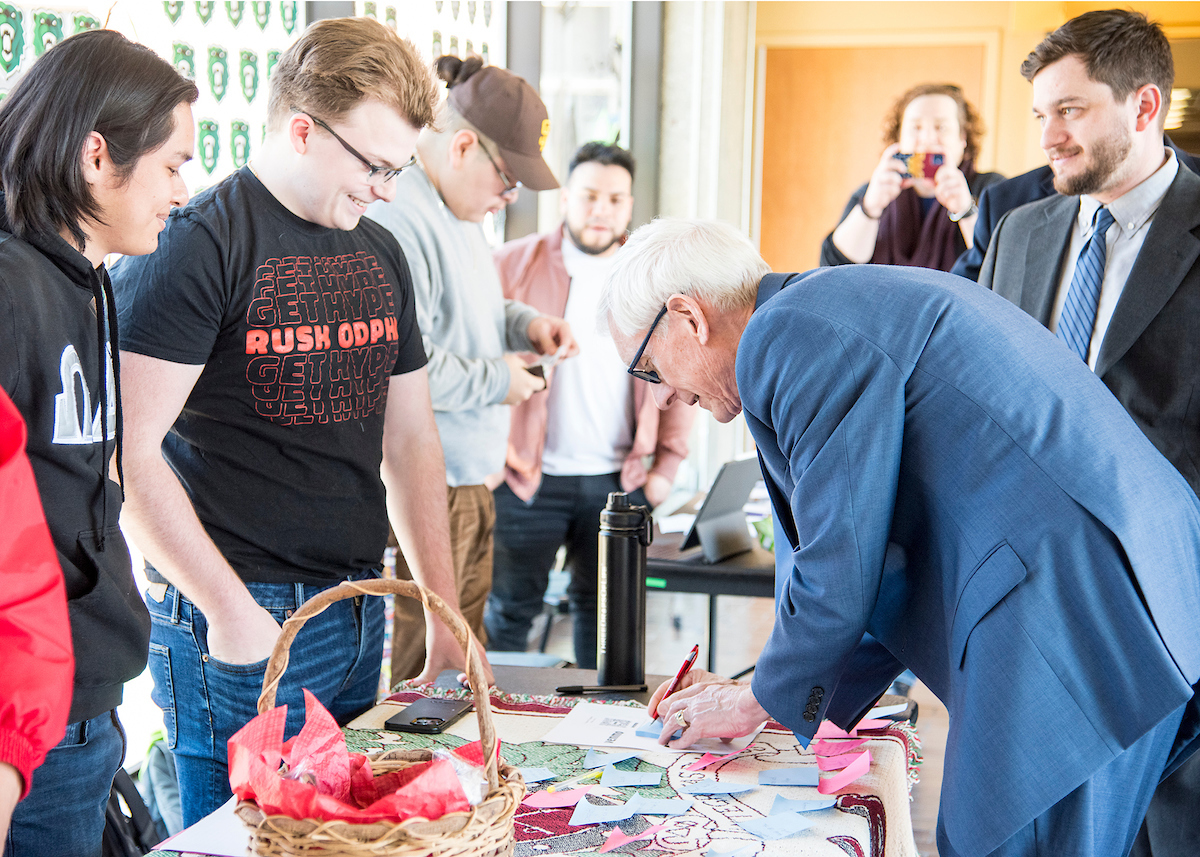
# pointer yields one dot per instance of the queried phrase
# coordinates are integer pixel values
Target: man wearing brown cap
(492, 127)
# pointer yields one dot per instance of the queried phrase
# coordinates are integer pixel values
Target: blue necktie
(1079, 311)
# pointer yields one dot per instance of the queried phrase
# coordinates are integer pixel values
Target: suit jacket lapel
(1048, 243)
(1168, 253)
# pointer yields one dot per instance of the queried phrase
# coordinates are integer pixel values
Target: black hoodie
(56, 355)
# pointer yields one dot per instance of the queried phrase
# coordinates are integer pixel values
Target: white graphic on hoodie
(67, 427)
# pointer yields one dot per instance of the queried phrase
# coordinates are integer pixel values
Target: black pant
(565, 511)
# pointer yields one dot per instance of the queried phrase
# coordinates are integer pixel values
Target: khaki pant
(472, 519)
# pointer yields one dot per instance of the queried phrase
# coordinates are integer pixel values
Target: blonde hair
(338, 62)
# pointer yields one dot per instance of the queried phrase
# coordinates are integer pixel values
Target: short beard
(1108, 156)
(583, 248)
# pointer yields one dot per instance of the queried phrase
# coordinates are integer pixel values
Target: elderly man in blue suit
(956, 493)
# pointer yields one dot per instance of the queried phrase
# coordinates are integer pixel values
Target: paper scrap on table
(595, 759)
(618, 838)
(834, 763)
(782, 805)
(659, 806)
(798, 776)
(836, 748)
(592, 724)
(680, 523)
(744, 851)
(709, 759)
(613, 777)
(653, 729)
(860, 765)
(220, 833)
(715, 787)
(587, 812)
(777, 826)
(537, 775)
(887, 710)
(870, 723)
(555, 800)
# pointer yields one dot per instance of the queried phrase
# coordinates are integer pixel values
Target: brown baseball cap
(508, 110)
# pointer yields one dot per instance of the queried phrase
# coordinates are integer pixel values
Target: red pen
(683, 670)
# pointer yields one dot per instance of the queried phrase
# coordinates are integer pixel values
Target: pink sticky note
(709, 759)
(871, 724)
(555, 800)
(859, 766)
(616, 839)
(829, 730)
(834, 763)
(836, 748)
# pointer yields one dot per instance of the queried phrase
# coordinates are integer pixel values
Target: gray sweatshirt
(466, 325)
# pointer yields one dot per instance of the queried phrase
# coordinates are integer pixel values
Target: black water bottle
(625, 532)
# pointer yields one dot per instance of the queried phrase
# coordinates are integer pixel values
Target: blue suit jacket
(952, 481)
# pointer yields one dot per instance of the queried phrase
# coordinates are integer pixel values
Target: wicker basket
(485, 831)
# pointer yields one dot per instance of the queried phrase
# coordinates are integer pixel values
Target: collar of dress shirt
(1134, 208)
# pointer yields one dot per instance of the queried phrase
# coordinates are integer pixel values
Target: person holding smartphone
(915, 211)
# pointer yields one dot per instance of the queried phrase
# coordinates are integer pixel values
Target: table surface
(748, 573)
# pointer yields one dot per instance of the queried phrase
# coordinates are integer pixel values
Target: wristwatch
(972, 210)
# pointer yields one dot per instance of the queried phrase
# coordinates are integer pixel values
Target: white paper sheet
(592, 724)
(219, 834)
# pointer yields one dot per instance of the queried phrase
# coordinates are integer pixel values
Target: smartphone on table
(429, 716)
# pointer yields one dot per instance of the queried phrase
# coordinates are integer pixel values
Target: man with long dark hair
(91, 142)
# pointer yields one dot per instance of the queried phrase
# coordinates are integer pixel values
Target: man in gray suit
(1110, 264)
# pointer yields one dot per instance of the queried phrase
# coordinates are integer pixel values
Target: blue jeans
(64, 811)
(336, 656)
(565, 511)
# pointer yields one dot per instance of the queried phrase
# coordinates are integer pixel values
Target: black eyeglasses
(647, 374)
(510, 189)
(385, 174)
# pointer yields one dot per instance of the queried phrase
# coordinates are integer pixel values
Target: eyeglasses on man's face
(510, 188)
(647, 374)
(375, 174)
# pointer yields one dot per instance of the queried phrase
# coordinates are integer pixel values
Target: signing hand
(885, 185)
(548, 334)
(712, 710)
(521, 384)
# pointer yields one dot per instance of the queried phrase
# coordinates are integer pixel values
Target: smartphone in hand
(920, 165)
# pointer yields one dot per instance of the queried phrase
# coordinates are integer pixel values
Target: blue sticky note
(594, 759)
(744, 851)
(712, 787)
(777, 826)
(653, 729)
(613, 777)
(590, 813)
(783, 805)
(660, 806)
(798, 776)
(537, 775)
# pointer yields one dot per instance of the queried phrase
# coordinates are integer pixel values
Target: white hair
(706, 259)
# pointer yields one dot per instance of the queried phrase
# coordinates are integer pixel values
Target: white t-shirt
(589, 430)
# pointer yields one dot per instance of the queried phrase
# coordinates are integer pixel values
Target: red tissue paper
(314, 776)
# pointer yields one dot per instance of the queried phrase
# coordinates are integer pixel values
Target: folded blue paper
(613, 777)
(595, 759)
(659, 806)
(590, 813)
(783, 805)
(537, 775)
(653, 729)
(713, 787)
(798, 776)
(777, 826)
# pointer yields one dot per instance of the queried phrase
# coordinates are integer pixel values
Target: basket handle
(352, 588)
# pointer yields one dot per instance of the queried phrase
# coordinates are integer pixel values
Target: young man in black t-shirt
(272, 364)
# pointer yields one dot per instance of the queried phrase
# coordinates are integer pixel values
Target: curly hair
(969, 120)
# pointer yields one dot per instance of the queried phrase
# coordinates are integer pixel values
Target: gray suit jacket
(1150, 357)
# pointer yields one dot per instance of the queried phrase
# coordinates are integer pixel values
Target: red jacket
(37, 668)
(532, 271)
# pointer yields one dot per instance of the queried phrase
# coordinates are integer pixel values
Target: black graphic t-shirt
(299, 329)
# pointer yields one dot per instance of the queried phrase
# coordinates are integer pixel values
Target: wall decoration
(262, 14)
(235, 9)
(204, 10)
(47, 31)
(248, 69)
(218, 71)
(12, 38)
